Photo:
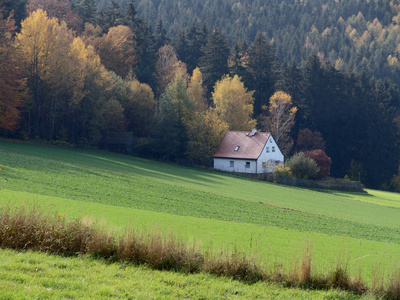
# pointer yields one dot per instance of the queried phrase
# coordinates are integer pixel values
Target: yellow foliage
(196, 90)
(233, 103)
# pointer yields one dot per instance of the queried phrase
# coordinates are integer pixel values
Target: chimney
(253, 131)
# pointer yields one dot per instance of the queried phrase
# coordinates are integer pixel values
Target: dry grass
(30, 229)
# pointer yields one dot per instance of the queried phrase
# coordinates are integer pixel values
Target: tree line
(72, 72)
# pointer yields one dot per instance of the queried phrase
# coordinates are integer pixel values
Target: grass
(28, 275)
(217, 210)
(269, 243)
(31, 228)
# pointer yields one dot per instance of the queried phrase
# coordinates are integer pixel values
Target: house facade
(248, 152)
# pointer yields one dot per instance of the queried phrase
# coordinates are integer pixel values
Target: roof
(250, 146)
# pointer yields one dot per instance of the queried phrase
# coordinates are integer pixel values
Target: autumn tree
(12, 83)
(117, 49)
(233, 103)
(323, 162)
(168, 67)
(309, 140)
(139, 108)
(280, 119)
(196, 90)
(64, 78)
(60, 9)
(175, 111)
(205, 133)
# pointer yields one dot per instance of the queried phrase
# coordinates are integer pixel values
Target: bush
(281, 171)
(302, 166)
(323, 162)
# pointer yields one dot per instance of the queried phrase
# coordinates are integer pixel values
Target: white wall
(223, 164)
(269, 157)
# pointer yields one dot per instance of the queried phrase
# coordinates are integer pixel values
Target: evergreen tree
(194, 40)
(161, 36)
(181, 47)
(88, 11)
(214, 62)
(262, 72)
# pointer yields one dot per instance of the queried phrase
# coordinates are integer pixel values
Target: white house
(247, 152)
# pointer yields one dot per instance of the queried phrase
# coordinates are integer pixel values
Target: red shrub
(323, 161)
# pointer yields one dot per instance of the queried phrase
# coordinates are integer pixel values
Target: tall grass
(29, 228)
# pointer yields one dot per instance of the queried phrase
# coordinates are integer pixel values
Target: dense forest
(178, 75)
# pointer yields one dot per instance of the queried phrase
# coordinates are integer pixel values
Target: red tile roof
(250, 146)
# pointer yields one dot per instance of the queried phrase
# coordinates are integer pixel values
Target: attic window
(273, 149)
(237, 148)
(267, 149)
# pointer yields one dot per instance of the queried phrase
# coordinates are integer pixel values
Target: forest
(317, 74)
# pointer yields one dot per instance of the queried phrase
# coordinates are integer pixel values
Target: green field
(211, 209)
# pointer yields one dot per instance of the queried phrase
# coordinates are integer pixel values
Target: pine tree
(161, 36)
(214, 62)
(181, 47)
(262, 70)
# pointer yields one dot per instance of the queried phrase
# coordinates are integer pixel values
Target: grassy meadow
(213, 210)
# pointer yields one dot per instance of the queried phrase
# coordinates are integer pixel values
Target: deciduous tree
(168, 67)
(12, 83)
(280, 119)
(117, 49)
(233, 103)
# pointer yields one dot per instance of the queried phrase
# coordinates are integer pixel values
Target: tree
(117, 50)
(309, 140)
(214, 62)
(168, 67)
(280, 119)
(175, 111)
(161, 35)
(139, 108)
(302, 166)
(233, 103)
(59, 70)
(196, 90)
(113, 115)
(193, 47)
(323, 162)
(12, 83)
(60, 9)
(205, 133)
(88, 11)
(262, 71)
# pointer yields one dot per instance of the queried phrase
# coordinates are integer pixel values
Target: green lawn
(213, 209)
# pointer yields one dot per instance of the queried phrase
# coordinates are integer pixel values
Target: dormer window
(237, 148)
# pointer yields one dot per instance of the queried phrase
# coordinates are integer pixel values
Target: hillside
(352, 35)
(216, 211)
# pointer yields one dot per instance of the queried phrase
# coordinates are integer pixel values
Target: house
(247, 152)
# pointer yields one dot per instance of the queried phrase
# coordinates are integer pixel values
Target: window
(273, 149)
(237, 148)
(231, 164)
(247, 164)
(267, 149)
(264, 164)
